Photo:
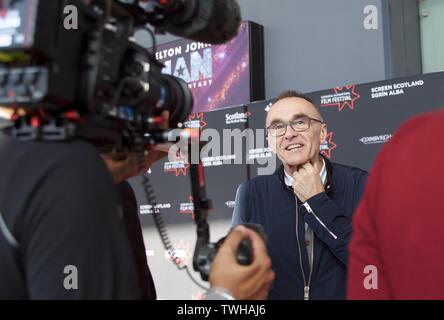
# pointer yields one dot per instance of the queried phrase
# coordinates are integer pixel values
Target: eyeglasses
(298, 125)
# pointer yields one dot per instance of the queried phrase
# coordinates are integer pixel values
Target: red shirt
(398, 229)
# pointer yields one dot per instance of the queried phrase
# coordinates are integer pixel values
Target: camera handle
(205, 251)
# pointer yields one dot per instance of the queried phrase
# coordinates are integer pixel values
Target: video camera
(72, 68)
(64, 56)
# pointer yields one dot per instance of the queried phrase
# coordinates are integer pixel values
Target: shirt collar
(289, 180)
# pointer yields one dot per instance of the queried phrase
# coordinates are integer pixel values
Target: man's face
(296, 148)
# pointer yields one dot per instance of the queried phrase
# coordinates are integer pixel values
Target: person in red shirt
(396, 250)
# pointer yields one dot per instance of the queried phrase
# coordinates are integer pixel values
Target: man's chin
(297, 162)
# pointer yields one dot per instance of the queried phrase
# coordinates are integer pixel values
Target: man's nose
(290, 133)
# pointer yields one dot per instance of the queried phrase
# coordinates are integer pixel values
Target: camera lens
(176, 97)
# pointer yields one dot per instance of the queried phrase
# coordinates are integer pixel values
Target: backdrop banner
(361, 119)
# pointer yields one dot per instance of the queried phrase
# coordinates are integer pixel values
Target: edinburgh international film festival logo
(328, 145)
(187, 207)
(341, 98)
(196, 121)
(179, 163)
(183, 253)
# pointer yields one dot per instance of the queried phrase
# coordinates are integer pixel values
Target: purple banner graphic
(218, 75)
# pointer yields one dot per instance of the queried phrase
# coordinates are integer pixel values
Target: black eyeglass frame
(290, 124)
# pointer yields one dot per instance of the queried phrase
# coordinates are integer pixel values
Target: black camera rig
(72, 69)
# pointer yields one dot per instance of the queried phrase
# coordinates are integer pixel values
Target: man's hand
(307, 182)
(250, 282)
(121, 168)
(125, 168)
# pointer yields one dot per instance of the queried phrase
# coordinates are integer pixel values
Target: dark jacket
(266, 200)
(59, 209)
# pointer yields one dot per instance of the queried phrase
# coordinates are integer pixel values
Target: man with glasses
(305, 207)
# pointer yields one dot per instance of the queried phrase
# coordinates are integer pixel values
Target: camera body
(91, 64)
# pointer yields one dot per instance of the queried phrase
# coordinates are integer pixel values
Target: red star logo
(182, 171)
(179, 157)
(190, 200)
(341, 105)
(329, 146)
(4, 6)
(195, 116)
(182, 252)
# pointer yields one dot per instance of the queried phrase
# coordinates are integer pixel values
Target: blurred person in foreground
(396, 248)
